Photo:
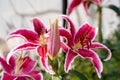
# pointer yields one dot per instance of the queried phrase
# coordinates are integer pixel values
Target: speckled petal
(86, 33)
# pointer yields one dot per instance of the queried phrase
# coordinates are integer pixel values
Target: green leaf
(115, 9)
(78, 74)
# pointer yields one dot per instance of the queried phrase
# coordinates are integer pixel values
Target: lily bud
(54, 41)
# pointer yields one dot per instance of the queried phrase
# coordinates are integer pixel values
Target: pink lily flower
(81, 44)
(18, 69)
(75, 3)
(47, 43)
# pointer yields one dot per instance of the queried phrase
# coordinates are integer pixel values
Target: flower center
(85, 43)
(77, 46)
(19, 64)
(43, 40)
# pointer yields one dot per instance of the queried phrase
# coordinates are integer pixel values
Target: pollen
(43, 40)
(77, 46)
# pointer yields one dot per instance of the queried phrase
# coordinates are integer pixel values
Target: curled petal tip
(99, 76)
(97, 45)
(26, 46)
(99, 73)
(9, 56)
(71, 25)
(109, 56)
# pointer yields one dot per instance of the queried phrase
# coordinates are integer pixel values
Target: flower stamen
(19, 63)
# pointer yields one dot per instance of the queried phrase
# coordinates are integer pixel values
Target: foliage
(115, 9)
(112, 70)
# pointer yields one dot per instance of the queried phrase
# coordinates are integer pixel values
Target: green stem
(100, 36)
(51, 78)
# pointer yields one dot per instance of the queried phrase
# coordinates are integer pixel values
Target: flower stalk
(100, 36)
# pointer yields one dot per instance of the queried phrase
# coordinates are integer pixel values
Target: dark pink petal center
(28, 61)
(85, 35)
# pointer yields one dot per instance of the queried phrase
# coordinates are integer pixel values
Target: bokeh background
(16, 14)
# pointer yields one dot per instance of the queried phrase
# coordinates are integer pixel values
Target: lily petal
(26, 34)
(42, 51)
(96, 1)
(69, 59)
(96, 45)
(45, 65)
(26, 46)
(85, 33)
(8, 77)
(12, 62)
(36, 75)
(93, 57)
(85, 4)
(64, 33)
(54, 42)
(28, 61)
(64, 47)
(73, 4)
(39, 26)
(21, 78)
(72, 26)
(7, 68)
